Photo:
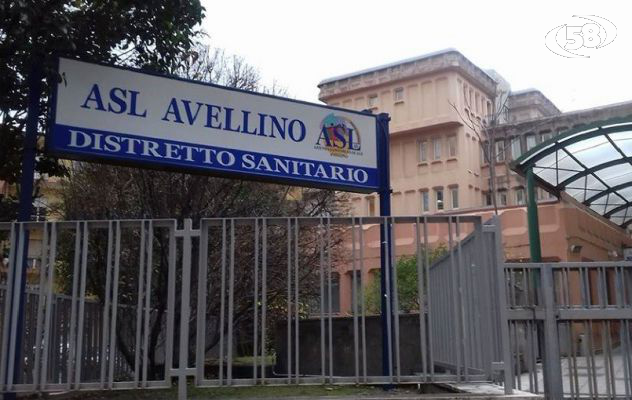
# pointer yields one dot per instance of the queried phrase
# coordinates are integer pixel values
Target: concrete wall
(343, 346)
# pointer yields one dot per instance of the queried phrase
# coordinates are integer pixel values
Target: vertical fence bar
(200, 336)
(44, 270)
(296, 303)
(185, 309)
(387, 282)
(329, 300)
(115, 286)
(106, 306)
(73, 308)
(395, 297)
(363, 318)
(139, 303)
(222, 305)
(621, 303)
(456, 299)
(428, 298)
(231, 303)
(553, 371)
(501, 296)
(171, 302)
(354, 296)
(82, 304)
(255, 306)
(149, 267)
(321, 250)
(462, 283)
(264, 295)
(49, 304)
(422, 308)
(289, 300)
(8, 301)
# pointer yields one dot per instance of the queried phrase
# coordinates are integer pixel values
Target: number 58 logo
(565, 40)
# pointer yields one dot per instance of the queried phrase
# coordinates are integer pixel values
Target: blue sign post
(24, 214)
(386, 268)
(108, 114)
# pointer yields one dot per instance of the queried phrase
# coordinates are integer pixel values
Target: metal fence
(570, 328)
(136, 304)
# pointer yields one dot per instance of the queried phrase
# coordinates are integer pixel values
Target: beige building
(436, 160)
(444, 112)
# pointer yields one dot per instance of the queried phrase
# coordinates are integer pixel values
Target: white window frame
(516, 147)
(452, 141)
(499, 150)
(531, 138)
(502, 198)
(372, 101)
(436, 148)
(439, 204)
(370, 203)
(398, 95)
(546, 136)
(454, 195)
(422, 146)
(520, 192)
(425, 201)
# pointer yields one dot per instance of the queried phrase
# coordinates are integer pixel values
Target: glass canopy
(593, 164)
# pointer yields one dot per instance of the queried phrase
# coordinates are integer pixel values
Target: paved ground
(589, 384)
(467, 391)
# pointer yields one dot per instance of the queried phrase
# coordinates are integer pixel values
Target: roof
(400, 62)
(592, 164)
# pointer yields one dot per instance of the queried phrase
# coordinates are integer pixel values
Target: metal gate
(571, 328)
(251, 301)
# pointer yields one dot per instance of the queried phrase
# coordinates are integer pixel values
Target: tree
(407, 282)
(485, 130)
(150, 34)
(136, 193)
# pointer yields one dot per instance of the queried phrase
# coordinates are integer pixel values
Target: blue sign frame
(375, 179)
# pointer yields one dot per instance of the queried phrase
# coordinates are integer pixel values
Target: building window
(530, 142)
(335, 294)
(370, 206)
(398, 95)
(425, 202)
(436, 145)
(40, 209)
(546, 136)
(520, 196)
(502, 198)
(372, 103)
(516, 149)
(454, 194)
(423, 150)
(452, 146)
(488, 199)
(355, 294)
(500, 150)
(439, 198)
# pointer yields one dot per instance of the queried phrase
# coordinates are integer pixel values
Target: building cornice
(568, 120)
(444, 60)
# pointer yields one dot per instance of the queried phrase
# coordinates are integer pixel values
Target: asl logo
(339, 136)
(573, 41)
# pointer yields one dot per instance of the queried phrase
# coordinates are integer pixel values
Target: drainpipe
(532, 219)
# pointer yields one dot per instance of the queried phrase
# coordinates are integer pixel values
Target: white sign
(126, 116)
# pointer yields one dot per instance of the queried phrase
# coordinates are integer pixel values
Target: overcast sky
(299, 43)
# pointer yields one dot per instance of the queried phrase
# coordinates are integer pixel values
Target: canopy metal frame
(591, 163)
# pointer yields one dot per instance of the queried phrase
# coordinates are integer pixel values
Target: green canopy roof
(592, 164)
